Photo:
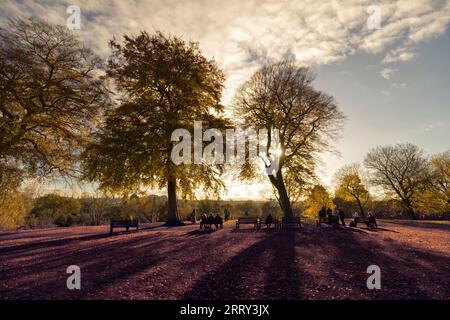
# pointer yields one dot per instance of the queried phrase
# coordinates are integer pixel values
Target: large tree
(401, 169)
(163, 84)
(350, 186)
(51, 96)
(281, 96)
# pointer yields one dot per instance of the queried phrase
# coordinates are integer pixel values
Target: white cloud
(387, 72)
(241, 35)
(397, 85)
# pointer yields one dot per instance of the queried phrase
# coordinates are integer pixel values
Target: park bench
(334, 221)
(256, 222)
(124, 224)
(293, 222)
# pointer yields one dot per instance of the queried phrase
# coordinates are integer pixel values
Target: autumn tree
(350, 186)
(436, 197)
(400, 169)
(50, 98)
(281, 96)
(162, 83)
(318, 197)
(440, 176)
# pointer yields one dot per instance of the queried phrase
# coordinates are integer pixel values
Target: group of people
(206, 222)
(331, 217)
(327, 215)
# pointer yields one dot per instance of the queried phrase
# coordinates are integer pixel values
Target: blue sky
(412, 106)
(391, 82)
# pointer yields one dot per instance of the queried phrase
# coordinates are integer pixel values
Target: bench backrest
(248, 220)
(124, 222)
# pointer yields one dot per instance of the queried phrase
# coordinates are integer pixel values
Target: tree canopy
(51, 97)
(281, 96)
(400, 169)
(350, 186)
(163, 83)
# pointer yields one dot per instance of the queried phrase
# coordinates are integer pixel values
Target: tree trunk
(411, 212)
(172, 214)
(285, 203)
(361, 209)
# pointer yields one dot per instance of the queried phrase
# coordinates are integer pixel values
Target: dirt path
(182, 262)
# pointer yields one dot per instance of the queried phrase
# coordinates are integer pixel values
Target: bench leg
(111, 229)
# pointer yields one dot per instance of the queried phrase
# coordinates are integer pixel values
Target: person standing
(341, 216)
(355, 218)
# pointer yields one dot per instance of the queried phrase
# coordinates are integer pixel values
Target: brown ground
(184, 263)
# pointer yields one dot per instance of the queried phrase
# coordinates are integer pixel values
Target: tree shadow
(261, 271)
(422, 224)
(196, 233)
(406, 272)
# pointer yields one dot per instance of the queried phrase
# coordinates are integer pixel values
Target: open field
(185, 263)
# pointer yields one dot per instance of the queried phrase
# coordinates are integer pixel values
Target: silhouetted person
(226, 215)
(322, 215)
(269, 220)
(204, 221)
(210, 220)
(330, 216)
(218, 222)
(342, 216)
(371, 221)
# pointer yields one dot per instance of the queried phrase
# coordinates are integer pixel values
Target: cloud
(397, 85)
(241, 35)
(387, 72)
(432, 126)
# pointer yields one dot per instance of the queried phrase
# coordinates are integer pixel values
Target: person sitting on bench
(218, 222)
(204, 221)
(371, 221)
(269, 220)
(210, 220)
(322, 214)
(330, 216)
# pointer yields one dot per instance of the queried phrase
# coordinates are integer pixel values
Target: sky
(385, 62)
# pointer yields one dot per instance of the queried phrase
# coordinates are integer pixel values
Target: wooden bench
(249, 220)
(124, 224)
(333, 222)
(294, 222)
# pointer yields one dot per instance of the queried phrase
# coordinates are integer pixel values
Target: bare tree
(281, 96)
(401, 169)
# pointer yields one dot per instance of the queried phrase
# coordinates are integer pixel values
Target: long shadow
(404, 272)
(265, 270)
(196, 233)
(422, 224)
(103, 267)
(56, 242)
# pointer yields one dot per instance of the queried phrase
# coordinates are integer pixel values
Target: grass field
(185, 263)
